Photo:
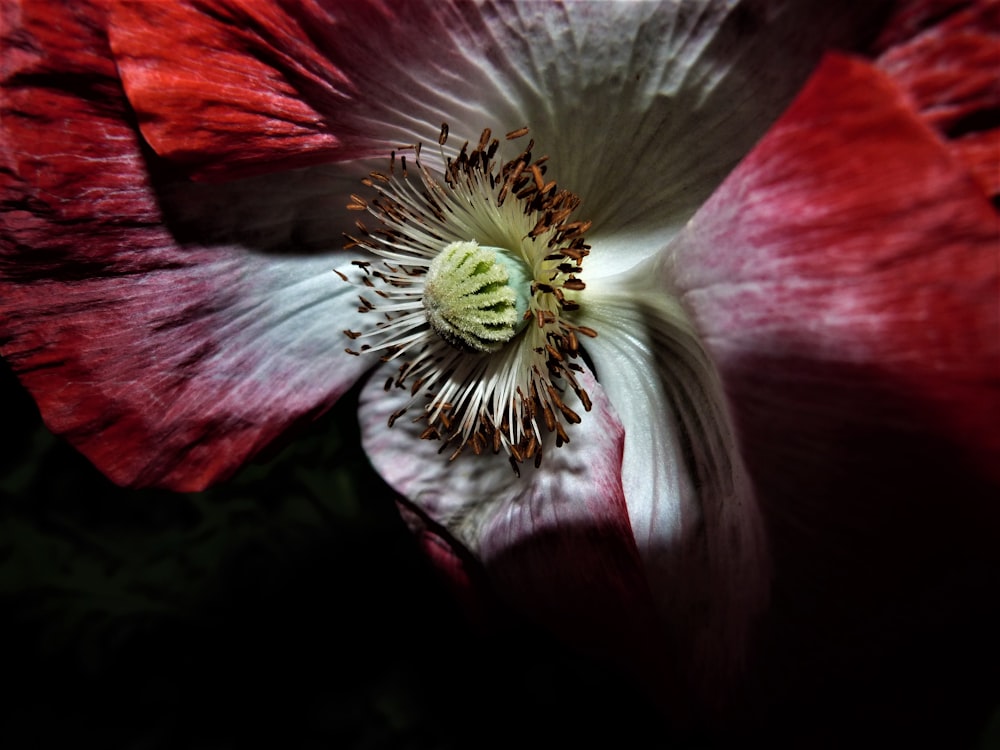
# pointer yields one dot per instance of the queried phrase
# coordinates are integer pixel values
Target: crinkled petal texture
(622, 96)
(169, 330)
(833, 354)
(845, 281)
(946, 55)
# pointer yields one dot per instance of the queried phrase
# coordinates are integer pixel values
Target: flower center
(472, 289)
(475, 296)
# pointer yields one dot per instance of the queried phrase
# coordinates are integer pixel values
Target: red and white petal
(179, 379)
(946, 56)
(234, 87)
(690, 502)
(643, 107)
(169, 330)
(845, 281)
(849, 240)
(555, 542)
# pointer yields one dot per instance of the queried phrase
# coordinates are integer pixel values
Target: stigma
(472, 286)
(471, 300)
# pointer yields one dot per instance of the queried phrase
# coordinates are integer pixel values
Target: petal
(682, 90)
(555, 542)
(691, 505)
(230, 88)
(171, 331)
(858, 242)
(947, 58)
(845, 281)
(645, 107)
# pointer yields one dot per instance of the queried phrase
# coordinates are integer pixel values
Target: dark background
(290, 608)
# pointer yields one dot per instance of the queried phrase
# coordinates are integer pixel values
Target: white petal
(692, 507)
(644, 107)
(466, 494)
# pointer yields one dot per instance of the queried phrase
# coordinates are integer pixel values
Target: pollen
(471, 290)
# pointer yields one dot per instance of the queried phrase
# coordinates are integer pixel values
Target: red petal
(848, 235)
(846, 280)
(155, 324)
(946, 55)
(231, 88)
(227, 77)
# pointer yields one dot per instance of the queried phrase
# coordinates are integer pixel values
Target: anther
(444, 302)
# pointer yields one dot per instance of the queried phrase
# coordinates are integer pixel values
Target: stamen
(462, 268)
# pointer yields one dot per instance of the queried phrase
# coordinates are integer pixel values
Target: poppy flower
(614, 315)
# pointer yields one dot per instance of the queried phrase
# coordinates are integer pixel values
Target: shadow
(884, 536)
(288, 608)
(293, 212)
(882, 626)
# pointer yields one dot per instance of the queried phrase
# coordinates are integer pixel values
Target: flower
(667, 347)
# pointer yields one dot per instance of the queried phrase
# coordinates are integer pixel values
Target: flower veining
(474, 293)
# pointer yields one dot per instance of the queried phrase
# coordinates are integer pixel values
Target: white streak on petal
(691, 505)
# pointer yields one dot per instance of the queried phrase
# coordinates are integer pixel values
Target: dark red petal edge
(946, 55)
